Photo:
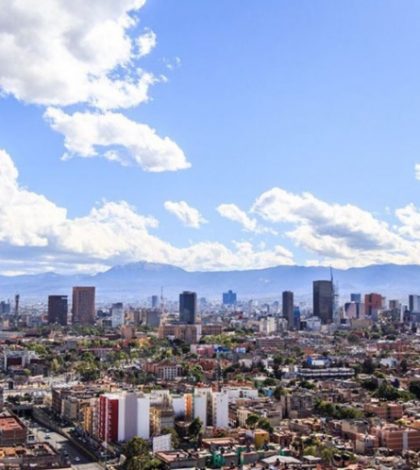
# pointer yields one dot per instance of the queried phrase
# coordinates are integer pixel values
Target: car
(47, 436)
(77, 459)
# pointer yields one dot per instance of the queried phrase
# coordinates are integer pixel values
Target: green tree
(252, 420)
(194, 429)
(414, 388)
(136, 447)
(263, 423)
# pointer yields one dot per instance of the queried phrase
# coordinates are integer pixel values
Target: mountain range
(137, 281)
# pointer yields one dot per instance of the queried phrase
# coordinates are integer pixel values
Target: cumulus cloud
(188, 215)
(146, 42)
(126, 141)
(72, 52)
(341, 235)
(38, 235)
(234, 213)
(85, 53)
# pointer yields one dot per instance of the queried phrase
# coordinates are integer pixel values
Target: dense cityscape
(209, 235)
(195, 383)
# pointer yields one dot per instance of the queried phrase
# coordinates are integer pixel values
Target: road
(78, 460)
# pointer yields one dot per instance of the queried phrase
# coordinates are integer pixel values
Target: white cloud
(234, 213)
(146, 42)
(128, 142)
(341, 235)
(37, 235)
(71, 52)
(188, 215)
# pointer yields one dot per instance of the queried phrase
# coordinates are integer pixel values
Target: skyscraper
(287, 308)
(229, 298)
(323, 300)
(155, 301)
(188, 307)
(373, 303)
(414, 303)
(57, 309)
(83, 305)
(117, 315)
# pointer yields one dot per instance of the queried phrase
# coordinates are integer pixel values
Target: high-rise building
(83, 305)
(354, 310)
(414, 303)
(229, 298)
(188, 307)
(4, 307)
(57, 309)
(155, 301)
(220, 409)
(287, 308)
(356, 298)
(108, 417)
(323, 300)
(296, 318)
(152, 317)
(122, 416)
(117, 314)
(373, 303)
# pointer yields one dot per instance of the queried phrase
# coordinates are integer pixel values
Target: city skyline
(160, 144)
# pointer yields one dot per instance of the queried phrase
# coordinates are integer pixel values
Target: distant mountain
(136, 281)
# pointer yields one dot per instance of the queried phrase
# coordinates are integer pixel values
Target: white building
(117, 315)
(235, 393)
(178, 404)
(267, 325)
(200, 401)
(143, 416)
(220, 409)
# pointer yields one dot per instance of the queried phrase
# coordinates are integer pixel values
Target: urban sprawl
(203, 384)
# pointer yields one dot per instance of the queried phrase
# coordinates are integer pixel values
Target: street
(77, 459)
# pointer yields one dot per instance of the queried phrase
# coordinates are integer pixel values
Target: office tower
(414, 303)
(296, 318)
(287, 308)
(155, 301)
(356, 298)
(117, 315)
(5, 307)
(229, 298)
(188, 307)
(17, 298)
(394, 305)
(373, 303)
(153, 318)
(323, 300)
(354, 310)
(83, 305)
(57, 309)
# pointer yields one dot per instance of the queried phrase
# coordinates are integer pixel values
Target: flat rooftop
(10, 424)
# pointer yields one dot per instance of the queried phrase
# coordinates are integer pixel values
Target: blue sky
(318, 97)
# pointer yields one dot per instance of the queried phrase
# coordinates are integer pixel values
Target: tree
(414, 388)
(194, 429)
(252, 420)
(279, 392)
(368, 367)
(136, 447)
(263, 423)
(404, 366)
(370, 384)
